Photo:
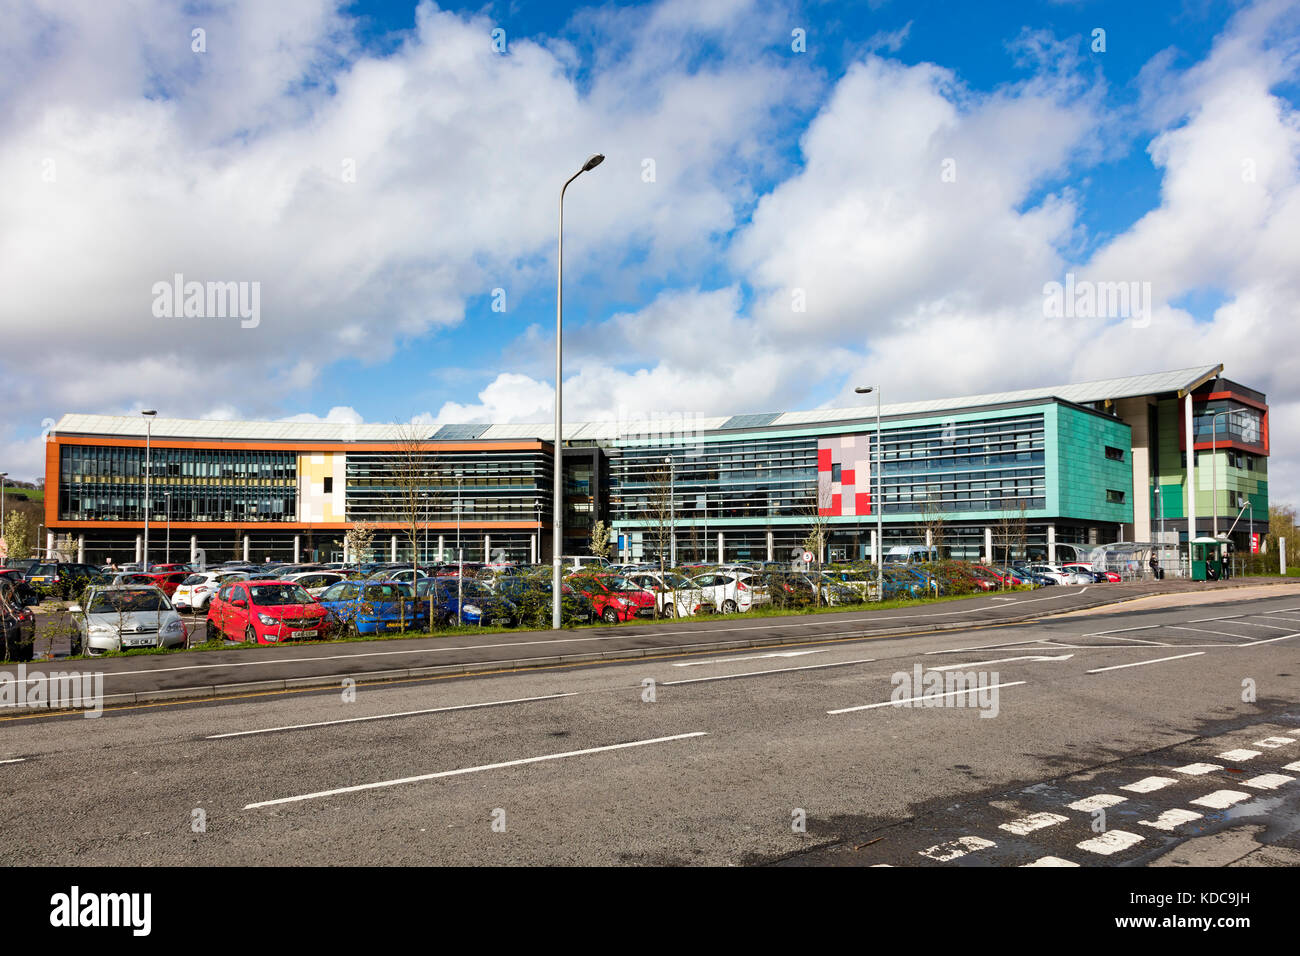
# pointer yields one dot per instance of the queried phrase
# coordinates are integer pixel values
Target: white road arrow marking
(749, 657)
(1002, 660)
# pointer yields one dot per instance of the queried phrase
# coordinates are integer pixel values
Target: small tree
(17, 529)
(599, 543)
(358, 540)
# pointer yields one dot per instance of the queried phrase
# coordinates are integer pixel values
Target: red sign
(1254, 544)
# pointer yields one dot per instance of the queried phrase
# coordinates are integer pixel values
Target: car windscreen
(277, 594)
(384, 592)
(195, 579)
(128, 602)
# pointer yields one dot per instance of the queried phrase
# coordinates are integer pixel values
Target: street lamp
(460, 555)
(672, 512)
(557, 519)
(3, 476)
(148, 428)
(880, 497)
(168, 558)
(424, 496)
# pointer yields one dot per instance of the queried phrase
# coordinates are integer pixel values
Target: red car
(265, 612)
(614, 599)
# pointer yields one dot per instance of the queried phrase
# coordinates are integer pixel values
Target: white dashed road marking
(957, 848)
(1238, 755)
(1158, 660)
(1272, 743)
(1098, 802)
(1293, 766)
(1112, 841)
(1148, 784)
(908, 700)
(1221, 799)
(1196, 769)
(465, 770)
(1051, 861)
(1267, 781)
(1171, 819)
(1035, 821)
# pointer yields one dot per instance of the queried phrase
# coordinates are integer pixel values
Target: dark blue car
(478, 603)
(373, 607)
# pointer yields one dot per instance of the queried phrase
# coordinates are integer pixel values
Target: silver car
(119, 618)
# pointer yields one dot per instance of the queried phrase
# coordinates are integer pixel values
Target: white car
(675, 594)
(729, 591)
(196, 591)
(316, 583)
(1059, 574)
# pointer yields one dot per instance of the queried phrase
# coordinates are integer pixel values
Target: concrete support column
(81, 549)
(247, 549)
(1051, 544)
(194, 548)
(875, 548)
(49, 544)
(672, 549)
(487, 548)
(139, 547)
(392, 548)
(532, 548)
(771, 551)
(1191, 468)
(721, 551)
(988, 544)
(929, 538)
(442, 553)
(297, 548)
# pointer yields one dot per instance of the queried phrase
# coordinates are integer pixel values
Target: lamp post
(425, 498)
(3, 476)
(460, 555)
(148, 430)
(168, 558)
(879, 505)
(672, 511)
(557, 519)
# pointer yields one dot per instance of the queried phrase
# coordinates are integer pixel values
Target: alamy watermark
(1085, 299)
(947, 688)
(179, 299)
(57, 690)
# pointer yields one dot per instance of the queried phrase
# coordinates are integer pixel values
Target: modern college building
(1036, 470)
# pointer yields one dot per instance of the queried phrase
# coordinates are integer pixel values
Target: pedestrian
(1155, 567)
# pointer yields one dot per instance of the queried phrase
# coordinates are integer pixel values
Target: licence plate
(139, 642)
(295, 635)
(393, 625)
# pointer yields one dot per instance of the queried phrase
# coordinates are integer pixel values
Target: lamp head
(592, 163)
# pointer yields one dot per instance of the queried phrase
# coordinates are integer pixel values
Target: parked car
(23, 593)
(583, 562)
(125, 616)
(17, 623)
(63, 579)
(373, 607)
(675, 595)
(727, 591)
(614, 599)
(316, 583)
(531, 597)
(477, 603)
(197, 590)
(265, 613)
(1060, 575)
(22, 565)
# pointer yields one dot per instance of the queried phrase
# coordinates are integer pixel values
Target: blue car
(478, 603)
(373, 607)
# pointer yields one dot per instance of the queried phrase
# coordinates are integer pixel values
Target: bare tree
(816, 511)
(413, 470)
(659, 510)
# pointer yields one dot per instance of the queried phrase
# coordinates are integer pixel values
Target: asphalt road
(1138, 713)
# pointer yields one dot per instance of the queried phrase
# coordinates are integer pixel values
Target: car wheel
(250, 635)
(609, 615)
(729, 607)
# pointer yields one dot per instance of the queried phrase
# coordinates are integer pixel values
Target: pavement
(1149, 737)
(210, 673)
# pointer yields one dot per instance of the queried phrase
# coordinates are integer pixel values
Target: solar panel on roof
(750, 421)
(459, 432)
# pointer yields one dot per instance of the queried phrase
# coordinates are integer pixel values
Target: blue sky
(885, 206)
